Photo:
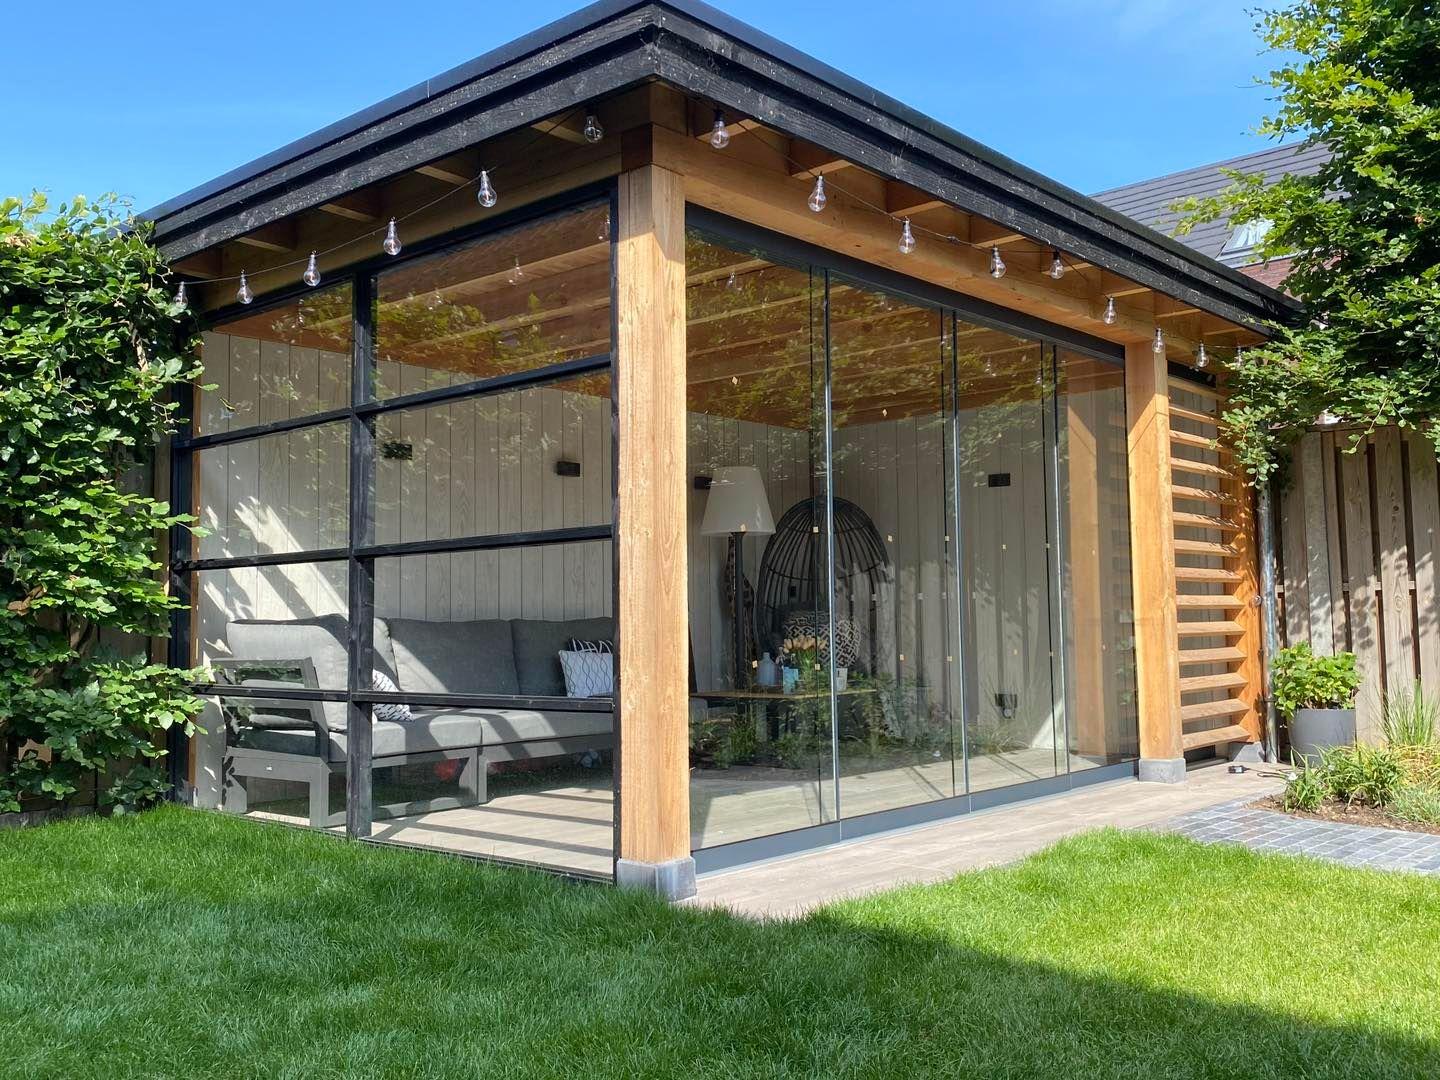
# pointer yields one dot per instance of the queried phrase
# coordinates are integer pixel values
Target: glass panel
(897, 699)
(760, 735)
(498, 464)
(521, 299)
(290, 360)
(280, 493)
(1014, 721)
(530, 781)
(1095, 563)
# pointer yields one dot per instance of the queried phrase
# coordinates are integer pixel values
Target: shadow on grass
(186, 944)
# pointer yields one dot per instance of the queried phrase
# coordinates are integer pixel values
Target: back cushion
(454, 657)
(538, 644)
(322, 638)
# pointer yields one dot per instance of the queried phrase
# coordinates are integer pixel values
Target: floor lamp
(737, 506)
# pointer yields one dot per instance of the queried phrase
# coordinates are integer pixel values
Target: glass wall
(481, 571)
(942, 500)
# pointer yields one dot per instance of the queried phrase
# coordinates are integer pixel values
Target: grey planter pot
(1313, 730)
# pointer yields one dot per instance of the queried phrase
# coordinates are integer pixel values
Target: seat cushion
(526, 725)
(538, 644)
(438, 730)
(454, 657)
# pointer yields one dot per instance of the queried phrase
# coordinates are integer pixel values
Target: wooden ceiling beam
(364, 206)
(902, 200)
(808, 160)
(988, 233)
(457, 169)
(277, 236)
(203, 265)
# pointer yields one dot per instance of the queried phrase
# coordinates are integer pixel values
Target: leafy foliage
(1303, 680)
(90, 345)
(1359, 77)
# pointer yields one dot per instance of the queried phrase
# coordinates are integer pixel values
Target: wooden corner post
(1152, 556)
(653, 615)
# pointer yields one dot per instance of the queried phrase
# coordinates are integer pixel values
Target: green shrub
(1365, 774)
(1307, 791)
(91, 344)
(1303, 680)
(1409, 718)
(1418, 804)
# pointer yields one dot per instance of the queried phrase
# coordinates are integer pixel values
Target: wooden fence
(1357, 537)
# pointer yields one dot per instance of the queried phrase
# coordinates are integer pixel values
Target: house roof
(615, 44)
(1149, 201)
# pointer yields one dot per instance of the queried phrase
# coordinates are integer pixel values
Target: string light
(1110, 314)
(719, 134)
(604, 232)
(732, 282)
(243, 294)
(391, 245)
(1057, 266)
(180, 295)
(1327, 419)
(486, 196)
(516, 275)
(907, 239)
(1201, 360)
(311, 276)
(1159, 344)
(593, 131)
(817, 197)
(997, 264)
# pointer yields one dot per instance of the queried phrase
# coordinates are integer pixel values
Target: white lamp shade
(737, 503)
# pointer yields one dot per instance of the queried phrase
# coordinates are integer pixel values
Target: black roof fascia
(618, 43)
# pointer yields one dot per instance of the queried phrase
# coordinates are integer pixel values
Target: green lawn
(182, 944)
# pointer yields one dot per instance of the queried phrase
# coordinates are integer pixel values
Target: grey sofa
(307, 741)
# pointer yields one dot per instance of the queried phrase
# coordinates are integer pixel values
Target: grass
(183, 944)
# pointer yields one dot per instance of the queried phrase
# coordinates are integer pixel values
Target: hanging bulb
(180, 295)
(243, 294)
(817, 197)
(1239, 356)
(907, 239)
(486, 195)
(1158, 346)
(719, 134)
(604, 233)
(516, 275)
(311, 276)
(593, 131)
(1057, 266)
(1110, 314)
(1327, 419)
(1201, 360)
(997, 264)
(391, 243)
(732, 283)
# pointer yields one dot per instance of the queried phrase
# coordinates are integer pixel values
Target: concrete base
(673, 880)
(1162, 770)
(1248, 753)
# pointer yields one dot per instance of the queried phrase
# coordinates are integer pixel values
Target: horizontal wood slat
(1189, 657)
(1199, 740)
(1204, 547)
(1208, 710)
(1196, 683)
(1210, 629)
(1185, 386)
(1198, 442)
(1218, 601)
(1192, 415)
(1201, 494)
(1205, 521)
(1201, 468)
(1205, 573)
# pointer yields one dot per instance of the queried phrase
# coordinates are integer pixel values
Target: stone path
(1352, 845)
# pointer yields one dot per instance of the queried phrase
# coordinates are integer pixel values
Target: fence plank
(1339, 611)
(1316, 551)
(1425, 520)
(1398, 625)
(1294, 541)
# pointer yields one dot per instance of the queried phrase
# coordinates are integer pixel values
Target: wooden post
(1152, 557)
(653, 690)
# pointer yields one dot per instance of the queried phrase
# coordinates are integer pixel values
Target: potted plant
(1316, 695)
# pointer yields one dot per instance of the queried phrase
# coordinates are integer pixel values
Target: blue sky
(1094, 93)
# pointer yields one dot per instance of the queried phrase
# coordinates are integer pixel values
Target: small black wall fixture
(567, 468)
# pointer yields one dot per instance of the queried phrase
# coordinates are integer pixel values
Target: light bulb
(593, 131)
(1110, 315)
(817, 197)
(486, 195)
(391, 244)
(243, 294)
(732, 283)
(719, 134)
(1327, 419)
(311, 276)
(1158, 345)
(1057, 267)
(604, 231)
(180, 295)
(907, 239)
(997, 264)
(516, 275)
(1201, 360)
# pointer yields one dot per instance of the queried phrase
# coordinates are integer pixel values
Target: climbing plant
(1359, 77)
(91, 344)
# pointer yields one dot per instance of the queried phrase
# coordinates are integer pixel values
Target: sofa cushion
(538, 644)
(454, 657)
(527, 725)
(441, 730)
(321, 638)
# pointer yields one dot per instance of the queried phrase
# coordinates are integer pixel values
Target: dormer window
(1246, 236)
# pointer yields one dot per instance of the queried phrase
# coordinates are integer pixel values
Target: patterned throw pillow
(396, 712)
(588, 672)
(601, 645)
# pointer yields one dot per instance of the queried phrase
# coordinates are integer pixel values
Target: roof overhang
(616, 44)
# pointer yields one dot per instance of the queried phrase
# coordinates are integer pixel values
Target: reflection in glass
(759, 755)
(287, 361)
(521, 299)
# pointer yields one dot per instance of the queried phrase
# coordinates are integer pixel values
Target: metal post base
(1162, 770)
(672, 880)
